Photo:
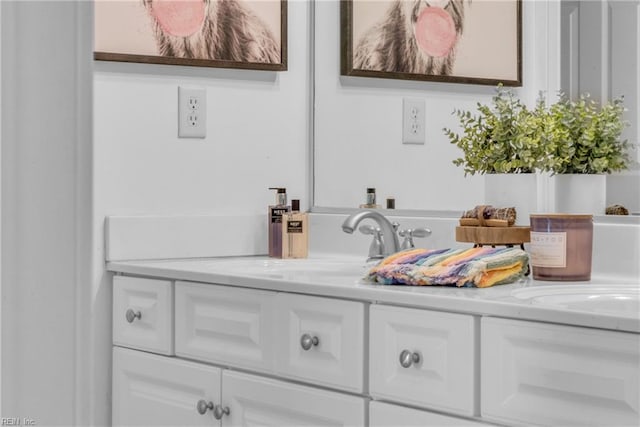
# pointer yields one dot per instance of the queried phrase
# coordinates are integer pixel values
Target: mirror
(600, 55)
(358, 121)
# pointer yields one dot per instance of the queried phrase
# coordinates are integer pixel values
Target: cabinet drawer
(256, 401)
(225, 325)
(388, 415)
(152, 390)
(143, 314)
(440, 355)
(333, 331)
(559, 375)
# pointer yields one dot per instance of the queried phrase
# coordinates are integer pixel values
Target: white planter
(580, 193)
(519, 190)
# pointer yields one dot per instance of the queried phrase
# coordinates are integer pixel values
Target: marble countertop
(340, 277)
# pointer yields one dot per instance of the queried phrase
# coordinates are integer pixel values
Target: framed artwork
(249, 34)
(457, 41)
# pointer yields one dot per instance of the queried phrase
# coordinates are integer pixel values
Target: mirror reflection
(359, 121)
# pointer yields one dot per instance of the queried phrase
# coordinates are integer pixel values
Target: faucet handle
(409, 234)
(368, 229)
(376, 249)
(421, 232)
(387, 236)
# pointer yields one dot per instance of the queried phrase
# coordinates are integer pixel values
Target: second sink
(619, 299)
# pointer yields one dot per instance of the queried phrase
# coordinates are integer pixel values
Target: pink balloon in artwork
(179, 18)
(435, 32)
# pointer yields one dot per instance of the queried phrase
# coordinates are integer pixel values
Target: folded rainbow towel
(480, 267)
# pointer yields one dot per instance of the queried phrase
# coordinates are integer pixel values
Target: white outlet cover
(413, 121)
(192, 113)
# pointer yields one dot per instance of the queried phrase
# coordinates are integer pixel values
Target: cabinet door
(333, 354)
(388, 415)
(225, 325)
(257, 401)
(539, 373)
(153, 390)
(439, 358)
(143, 314)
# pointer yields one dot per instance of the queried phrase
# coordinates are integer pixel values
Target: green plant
(501, 138)
(581, 137)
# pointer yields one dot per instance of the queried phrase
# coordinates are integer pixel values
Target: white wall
(258, 124)
(46, 209)
(359, 124)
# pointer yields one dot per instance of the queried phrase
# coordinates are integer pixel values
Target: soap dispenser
(295, 234)
(275, 222)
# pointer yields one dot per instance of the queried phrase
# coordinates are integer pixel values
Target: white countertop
(341, 278)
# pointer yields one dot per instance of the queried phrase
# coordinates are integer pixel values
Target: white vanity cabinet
(423, 358)
(259, 401)
(313, 339)
(143, 314)
(225, 325)
(281, 357)
(320, 340)
(149, 389)
(155, 390)
(538, 373)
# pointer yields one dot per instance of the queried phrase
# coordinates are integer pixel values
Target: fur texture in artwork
(390, 45)
(230, 31)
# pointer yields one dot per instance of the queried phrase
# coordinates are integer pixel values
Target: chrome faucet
(389, 243)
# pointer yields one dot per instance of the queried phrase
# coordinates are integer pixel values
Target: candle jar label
(548, 249)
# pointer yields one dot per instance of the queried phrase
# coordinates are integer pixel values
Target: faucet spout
(390, 242)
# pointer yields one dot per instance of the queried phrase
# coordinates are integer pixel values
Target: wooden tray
(516, 235)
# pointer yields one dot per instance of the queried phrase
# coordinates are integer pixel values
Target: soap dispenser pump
(275, 222)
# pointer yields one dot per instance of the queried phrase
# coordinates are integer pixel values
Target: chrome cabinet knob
(307, 341)
(220, 411)
(203, 405)
(408, 358)
(133, 315)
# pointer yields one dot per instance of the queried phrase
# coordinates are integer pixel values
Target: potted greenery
(501, 138)
(502, 141)
(582, 142)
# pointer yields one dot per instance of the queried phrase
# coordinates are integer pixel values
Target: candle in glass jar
(561, 246)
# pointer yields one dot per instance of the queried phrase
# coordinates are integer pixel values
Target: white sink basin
(349, 267)
(621, 300)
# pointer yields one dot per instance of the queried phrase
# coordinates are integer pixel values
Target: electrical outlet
(413, 121)
(192, 113)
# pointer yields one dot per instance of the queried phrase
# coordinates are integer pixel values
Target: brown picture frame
(347, 67)
(215, 63)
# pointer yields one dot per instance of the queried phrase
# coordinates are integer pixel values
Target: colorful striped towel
(480, 267)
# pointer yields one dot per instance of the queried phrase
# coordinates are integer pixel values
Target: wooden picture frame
(162, 36)
(456, 41)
